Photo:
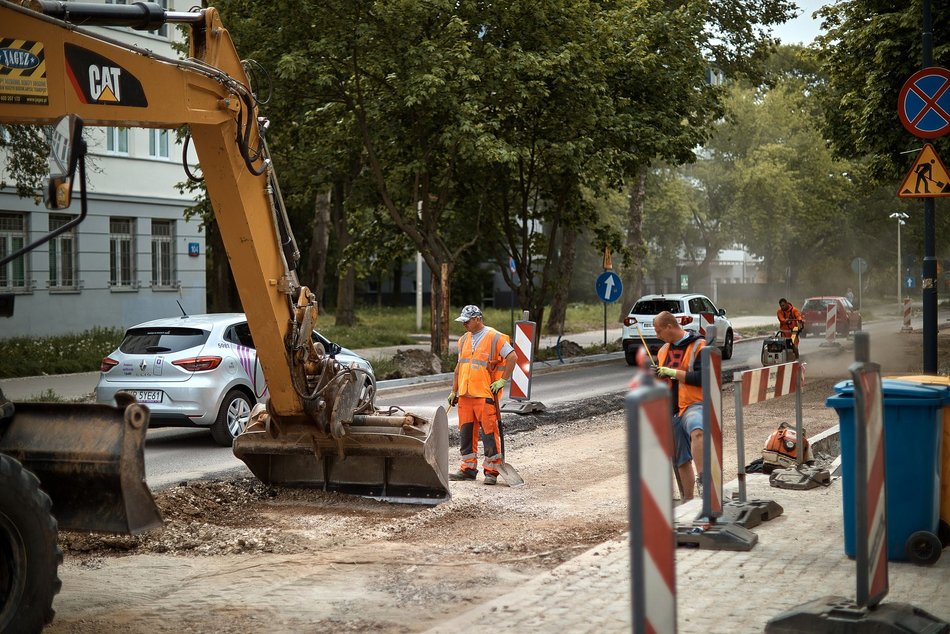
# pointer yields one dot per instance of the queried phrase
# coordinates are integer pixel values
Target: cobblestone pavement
(799, 558)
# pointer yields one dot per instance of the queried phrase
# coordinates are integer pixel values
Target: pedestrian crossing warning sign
(927, 178)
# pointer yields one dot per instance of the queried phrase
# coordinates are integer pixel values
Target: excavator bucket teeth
(399, 457)
(90, 461)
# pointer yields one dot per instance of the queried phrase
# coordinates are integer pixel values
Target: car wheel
(232, 418)
(367, 399)
(630, 354)
(727, 346)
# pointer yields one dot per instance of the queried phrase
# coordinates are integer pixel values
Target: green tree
(677, 106)
(24, 149)
(868, 50)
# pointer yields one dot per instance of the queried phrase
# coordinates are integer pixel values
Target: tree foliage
(867, 52)
(25, 149)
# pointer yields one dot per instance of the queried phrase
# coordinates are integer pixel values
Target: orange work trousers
(479, 418)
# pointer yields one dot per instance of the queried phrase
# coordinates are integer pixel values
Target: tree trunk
(439, 311)
(397, 283)
(346, 291)
(568, 251)
(633, 277)
(319, 245)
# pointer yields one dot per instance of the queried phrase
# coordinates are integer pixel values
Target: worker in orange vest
(486, 360)
(681, 368)
(790, 322)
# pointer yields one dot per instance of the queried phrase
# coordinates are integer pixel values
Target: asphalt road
(174, 455)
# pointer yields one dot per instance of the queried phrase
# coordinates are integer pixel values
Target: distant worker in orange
(790, 322)
(486, 361)
(681, 367)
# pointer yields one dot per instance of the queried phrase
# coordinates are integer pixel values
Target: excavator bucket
(90, 461)
(394, 455)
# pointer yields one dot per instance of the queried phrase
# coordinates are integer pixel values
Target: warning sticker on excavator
(927, 178)
(23, 72)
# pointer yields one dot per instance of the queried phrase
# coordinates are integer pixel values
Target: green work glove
(669, 373)
(453, 399)
(497, 385)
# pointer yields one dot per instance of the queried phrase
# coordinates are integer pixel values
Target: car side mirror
(333, 349)
(66, 147)
(722, 312)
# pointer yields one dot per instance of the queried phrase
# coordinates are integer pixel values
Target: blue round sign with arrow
(924, 103)
(609, 287)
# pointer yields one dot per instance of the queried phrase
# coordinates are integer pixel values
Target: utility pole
(929, 286)
(901, 217)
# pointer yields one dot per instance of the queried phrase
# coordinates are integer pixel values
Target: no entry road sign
(924, 103)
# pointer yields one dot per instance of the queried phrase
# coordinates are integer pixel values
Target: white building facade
(133, 258)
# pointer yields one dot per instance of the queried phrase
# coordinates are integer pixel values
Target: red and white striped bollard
(650, 511)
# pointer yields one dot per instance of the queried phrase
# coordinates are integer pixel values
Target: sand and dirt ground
(240, 556)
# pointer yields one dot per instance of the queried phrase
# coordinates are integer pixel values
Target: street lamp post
(900, 217)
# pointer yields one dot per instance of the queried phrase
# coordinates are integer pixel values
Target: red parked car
(815, 314)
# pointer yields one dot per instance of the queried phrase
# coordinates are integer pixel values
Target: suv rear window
(656, 306)
(817, 304)
(161, 340)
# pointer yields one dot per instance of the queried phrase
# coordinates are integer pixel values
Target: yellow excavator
(81, 467)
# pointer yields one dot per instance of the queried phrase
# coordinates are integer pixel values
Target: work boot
(462, 474)
(491, 478)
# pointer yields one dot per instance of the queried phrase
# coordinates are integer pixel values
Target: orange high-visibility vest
(477, 369)
(686, 394)
(788, 319)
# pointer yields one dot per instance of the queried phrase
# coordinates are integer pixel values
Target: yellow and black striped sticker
(23, 72)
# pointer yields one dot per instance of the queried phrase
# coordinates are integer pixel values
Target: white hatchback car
(693, 312)
(200, 371)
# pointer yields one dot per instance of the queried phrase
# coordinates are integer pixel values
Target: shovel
(509, 473)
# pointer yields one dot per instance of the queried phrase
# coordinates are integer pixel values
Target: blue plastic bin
(913, 417)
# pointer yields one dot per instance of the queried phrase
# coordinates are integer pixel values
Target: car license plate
(147, 396)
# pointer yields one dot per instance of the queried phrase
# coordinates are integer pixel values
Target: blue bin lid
(895, 393)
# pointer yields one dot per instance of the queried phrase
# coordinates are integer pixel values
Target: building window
(158, 143)
(121, 252)
(13, 238)
(62, 255)
(163, 253)
(117, 140)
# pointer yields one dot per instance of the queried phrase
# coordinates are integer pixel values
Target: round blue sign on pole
(924, 103)
(608, 286)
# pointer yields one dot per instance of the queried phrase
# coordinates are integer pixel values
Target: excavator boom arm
(318, 429)
(107, 83)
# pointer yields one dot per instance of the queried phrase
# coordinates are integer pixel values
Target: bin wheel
(923, 548)
(943, 532)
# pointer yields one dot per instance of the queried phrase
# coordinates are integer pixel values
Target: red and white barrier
(706, 320)
(763, 384)
(519, 392)
(650, 511)
(871, 552)
(712, 432)
(524, 349)
(831, 324)
(907, 310)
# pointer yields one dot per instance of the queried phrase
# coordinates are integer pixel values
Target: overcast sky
(803, 29)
